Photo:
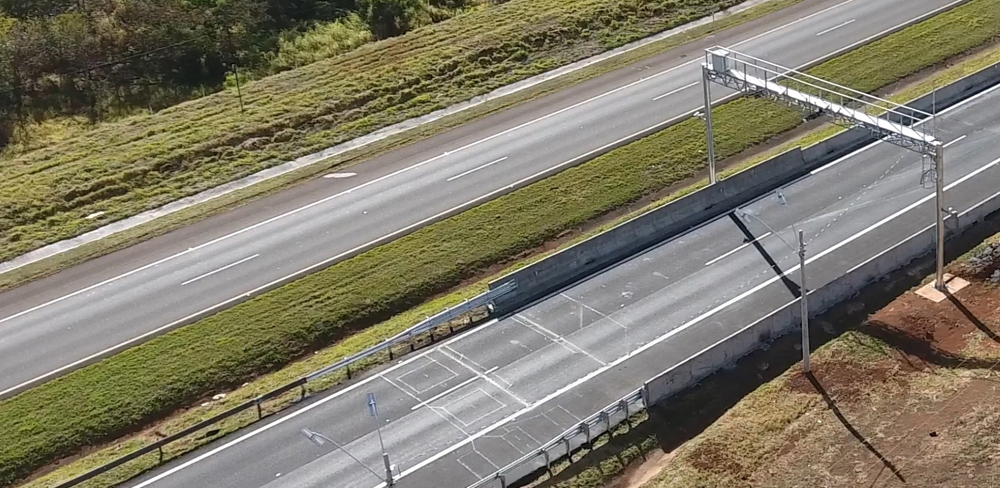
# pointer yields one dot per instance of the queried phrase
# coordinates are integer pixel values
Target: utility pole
(709, 133)
(939, 211)
(804, 303)
(373, 410)
(236, 64)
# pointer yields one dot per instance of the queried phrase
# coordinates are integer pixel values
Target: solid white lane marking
(592, 309)
(473, 170)
(210, 273)
(449, 391)
(734, 251)
(685, 87)
(955, 141)
(835, 27)
(422, 163)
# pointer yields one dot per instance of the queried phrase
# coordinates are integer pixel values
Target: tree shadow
(832, 405)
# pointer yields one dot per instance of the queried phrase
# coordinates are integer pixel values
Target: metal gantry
(888, 121)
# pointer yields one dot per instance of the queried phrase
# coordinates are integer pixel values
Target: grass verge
(185, 217)
(105, 400)
(142, 162)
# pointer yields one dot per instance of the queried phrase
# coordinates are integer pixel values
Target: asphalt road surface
(456, 412)
(53, 325)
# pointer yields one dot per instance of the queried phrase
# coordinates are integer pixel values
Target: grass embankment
(102, 401)
(125, 167)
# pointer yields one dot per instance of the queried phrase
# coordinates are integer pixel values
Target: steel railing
(589, 428)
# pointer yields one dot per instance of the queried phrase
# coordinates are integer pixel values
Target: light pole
(939, 223)
(803, 295)
(373, 411)
(709, 133)
(320, 439)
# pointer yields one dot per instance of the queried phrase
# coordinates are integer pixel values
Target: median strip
(105, 400)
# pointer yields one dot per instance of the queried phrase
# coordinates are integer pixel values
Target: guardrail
(588, 428)
(427, 325)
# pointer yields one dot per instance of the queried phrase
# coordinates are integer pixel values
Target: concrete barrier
(656, 226)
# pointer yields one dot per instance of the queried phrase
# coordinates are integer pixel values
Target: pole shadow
(749, 237)
(850, 428)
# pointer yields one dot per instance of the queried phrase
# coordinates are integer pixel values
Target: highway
(457, 411)
(52, 325)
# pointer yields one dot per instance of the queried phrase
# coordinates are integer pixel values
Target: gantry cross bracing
(749, 74)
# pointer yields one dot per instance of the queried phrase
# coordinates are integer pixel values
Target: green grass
(142, 162)
(103, 401)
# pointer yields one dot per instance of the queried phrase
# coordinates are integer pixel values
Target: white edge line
(473, 170)
(210, 273)
(734, 251)
(849, 22)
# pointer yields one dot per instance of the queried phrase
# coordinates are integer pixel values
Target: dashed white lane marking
(338, 176)
(667, 94)
(734, 251)
(956, 141)
(473, 170)
(210, 273)
(849, 22)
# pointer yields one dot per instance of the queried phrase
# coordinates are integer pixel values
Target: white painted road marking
(955, 141)
(667, 94)
(473, 170)
(210, 273)
(449, 391)
(734, 251)
(835, 27)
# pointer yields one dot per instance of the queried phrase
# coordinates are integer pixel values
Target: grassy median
(115, 396)
(122, 168)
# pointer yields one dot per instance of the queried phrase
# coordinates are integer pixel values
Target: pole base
(952, 285)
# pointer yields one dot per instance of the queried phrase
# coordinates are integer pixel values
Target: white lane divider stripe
(956, 141)
(734, 251)
(473, 170)
(210, 273)
(835, 27)
(667, 94)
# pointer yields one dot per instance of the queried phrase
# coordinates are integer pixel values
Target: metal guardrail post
(503, 480)
(566, 441)
(586, 430)
(548, 463)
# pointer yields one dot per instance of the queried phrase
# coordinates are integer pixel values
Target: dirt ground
(909, 398)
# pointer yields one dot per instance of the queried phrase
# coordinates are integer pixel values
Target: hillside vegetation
(145, 161)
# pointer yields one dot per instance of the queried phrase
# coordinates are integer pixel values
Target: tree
(390, 18)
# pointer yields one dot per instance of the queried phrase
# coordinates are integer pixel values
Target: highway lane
(51, 325)
(478, 401)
